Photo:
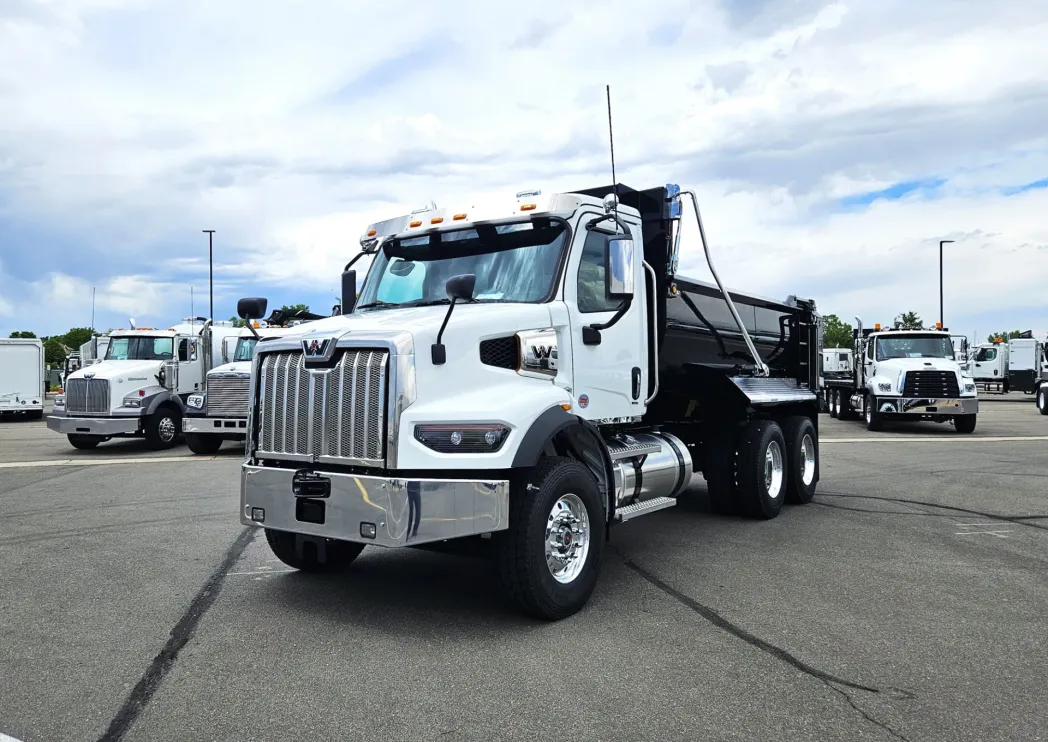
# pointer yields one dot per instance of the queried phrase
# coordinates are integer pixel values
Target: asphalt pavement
(906, 602)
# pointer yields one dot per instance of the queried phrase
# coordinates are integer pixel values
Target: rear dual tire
(1042, 400)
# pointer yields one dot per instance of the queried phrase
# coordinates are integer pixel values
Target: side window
(183, 350)
(591, 297)
(869, 349)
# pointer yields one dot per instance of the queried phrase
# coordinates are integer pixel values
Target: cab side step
(643, 508)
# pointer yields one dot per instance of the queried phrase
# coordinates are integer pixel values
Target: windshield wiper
(425, 303)
(378, 303)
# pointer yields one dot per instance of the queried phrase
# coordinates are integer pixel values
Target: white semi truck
(219, 411)
(905, 375)
(140, 387)
(22, 377)
(527, 375)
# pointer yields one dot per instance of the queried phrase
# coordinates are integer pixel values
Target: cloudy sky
(833, 144)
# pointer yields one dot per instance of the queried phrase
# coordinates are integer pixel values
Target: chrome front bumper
(403, 512)
(923, 406)
(219, 425)
(93, 425)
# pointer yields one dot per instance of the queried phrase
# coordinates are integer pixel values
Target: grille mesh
(501, 352)
(87, 396)
(931, 384)
(339, 413)
(227, 395)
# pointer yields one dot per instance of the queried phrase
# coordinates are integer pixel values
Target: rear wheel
(203, 444)
(1042, 400)
(162, 428)
(964, 423)
(835, 401)
(760, 472)
(802, 448)
(312, 553)
(84, 442)
(549, 558)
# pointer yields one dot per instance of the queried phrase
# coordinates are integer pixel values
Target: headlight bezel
(132, 401)
(472, 438)
(199, 399)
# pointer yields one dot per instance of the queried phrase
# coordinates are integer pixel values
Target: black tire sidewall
(1042, 400)
(202, 444)
(794, 431)
(153, 427)
(753, 446)
(340, 553)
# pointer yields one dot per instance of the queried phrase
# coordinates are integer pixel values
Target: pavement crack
(1022, 520)
(866, 715)
(724, 624)
(147, 685)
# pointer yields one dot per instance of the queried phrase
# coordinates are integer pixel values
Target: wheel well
(582, 443)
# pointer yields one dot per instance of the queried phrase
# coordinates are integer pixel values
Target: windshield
(914, 346)
(140, 349)
(512, 262)
(986, 354)
(245, 349)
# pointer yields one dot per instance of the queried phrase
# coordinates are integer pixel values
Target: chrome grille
(337, 414)
(85, 396)
(227, 395)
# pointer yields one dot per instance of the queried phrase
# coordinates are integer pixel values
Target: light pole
(942, 322)
(211, 271)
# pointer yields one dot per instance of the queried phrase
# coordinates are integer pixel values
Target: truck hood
(895, 365)
(143, 372)
(234, 367)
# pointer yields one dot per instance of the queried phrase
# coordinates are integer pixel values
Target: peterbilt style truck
(904, 375)
(218, 412)
(140, 387)
(527, 376)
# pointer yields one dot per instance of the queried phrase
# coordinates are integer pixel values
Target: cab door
(610, 364)
(190, 366)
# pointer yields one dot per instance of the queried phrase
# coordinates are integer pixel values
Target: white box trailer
(22, 377)
(1025, 356)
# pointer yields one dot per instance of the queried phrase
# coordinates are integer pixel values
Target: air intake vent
(500, 352)
(931, 384)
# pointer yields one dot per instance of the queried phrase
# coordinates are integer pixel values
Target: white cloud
(133, 125)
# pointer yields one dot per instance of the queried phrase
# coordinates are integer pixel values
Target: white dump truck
(905, 375)
(22, 377)
(527, 375)
(140, 387)
(219, 412)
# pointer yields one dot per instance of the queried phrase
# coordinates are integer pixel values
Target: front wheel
(874, 419)
(1042, 400)
(761, 469)
(84, 442)
(162, 428)
(203, 444)
(835, 402)
(549, 558)
(964, 423)
(312, 553)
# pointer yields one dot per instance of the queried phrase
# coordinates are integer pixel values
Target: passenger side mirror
(618, 266)
(460, 288)
(349, 291)
(252, 308)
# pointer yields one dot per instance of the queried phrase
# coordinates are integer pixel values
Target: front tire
(549, 558)
(84, 442)
(203, 444)
(835, 409)
(761, 469)
(874, 419)
(312, 553)
(162, 428)
(802, 449)
(1042, 400)
(964, 423)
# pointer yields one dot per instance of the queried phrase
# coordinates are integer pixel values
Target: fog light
(258, 515)
(456, 438)
(368, 530)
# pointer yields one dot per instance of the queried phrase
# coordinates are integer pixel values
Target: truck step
(643, 508)
(626, 450)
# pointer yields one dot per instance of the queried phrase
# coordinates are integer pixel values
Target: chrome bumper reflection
(923, 406)
(403, 512)
(93, 425)
(223, 425)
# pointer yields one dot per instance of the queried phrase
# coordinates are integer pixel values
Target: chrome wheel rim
(567, 538)
(869, 411)
(166, 429)
(773, 470)
(808, 460)
(1041, 399)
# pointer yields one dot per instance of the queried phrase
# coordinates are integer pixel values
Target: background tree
(295, 308)
(908, 321)
(237, 322)
(23, 334)
(835, 333)
(54, 352)
(77, 337)
(1004, 335)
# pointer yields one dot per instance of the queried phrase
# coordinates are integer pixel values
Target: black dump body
(700, 347)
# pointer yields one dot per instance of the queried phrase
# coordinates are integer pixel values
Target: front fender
(158, 395)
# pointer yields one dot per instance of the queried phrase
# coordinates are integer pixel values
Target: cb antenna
(611, 141)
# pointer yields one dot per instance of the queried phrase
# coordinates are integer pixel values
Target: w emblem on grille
(318, 349)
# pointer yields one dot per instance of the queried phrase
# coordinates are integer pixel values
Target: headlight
(468, 438)
(59, 400)
(969, 388)
(135, 401)
(195, 401)
(884, 386)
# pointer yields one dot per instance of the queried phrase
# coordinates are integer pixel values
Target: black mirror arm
(591, 333)
(438, 352)
(592, 223)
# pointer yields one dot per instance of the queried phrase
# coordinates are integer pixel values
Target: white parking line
(105, 462)
(5, 738)
(940, 438)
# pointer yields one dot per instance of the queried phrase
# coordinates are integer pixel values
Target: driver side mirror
(618, 266)
(252, 308)
(349, 292)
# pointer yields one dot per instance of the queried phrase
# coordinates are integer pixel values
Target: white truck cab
(989, 365)
(139, 388)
